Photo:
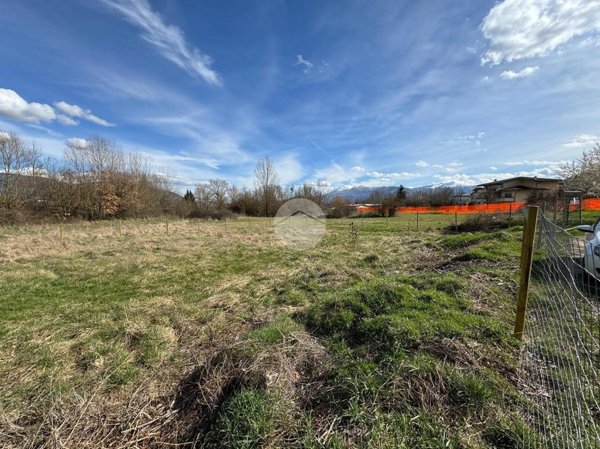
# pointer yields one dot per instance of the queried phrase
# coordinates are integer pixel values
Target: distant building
(520, 188)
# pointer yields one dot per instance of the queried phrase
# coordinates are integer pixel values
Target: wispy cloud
(463, 179)
(308, 66)
(534, 162)
(519, 29)
(583, 141)
(422, 164)
(71, 111)
(511, 74)
(169, 40)
(392, 176)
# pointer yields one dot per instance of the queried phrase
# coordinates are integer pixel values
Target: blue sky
(336, 93)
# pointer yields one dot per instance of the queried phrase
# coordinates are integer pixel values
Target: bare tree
(266, 184)
(338, 207)
(584, 173)
(311, 192)
(218, 193)
(16, 160)
(203, 199)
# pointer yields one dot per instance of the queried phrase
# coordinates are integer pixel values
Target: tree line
(96, 179)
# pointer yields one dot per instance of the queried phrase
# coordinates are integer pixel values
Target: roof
(528, 178)
(520, 187)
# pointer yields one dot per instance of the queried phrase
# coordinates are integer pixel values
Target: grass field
(217, 335)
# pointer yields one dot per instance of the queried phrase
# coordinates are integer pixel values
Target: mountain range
(360, 193)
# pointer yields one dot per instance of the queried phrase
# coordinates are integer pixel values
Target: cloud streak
(168, 40)
(511, 74)
(305, 63)
(71, 111)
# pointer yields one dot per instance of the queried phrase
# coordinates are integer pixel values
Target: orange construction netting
(503, 208)
(591, 204)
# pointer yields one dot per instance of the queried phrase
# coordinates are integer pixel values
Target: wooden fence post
(456, 221)
(526, 261)
(417, 220)
(62, 231)
(510, 212)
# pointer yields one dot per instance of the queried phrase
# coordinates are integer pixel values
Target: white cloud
(77, 142)
(12, 105)
(304, 62)
(451, 167)
(15, 107)
(169, 40)
(66, 120)
(216, 145)
(392, 176)
(528, 162)
(583, 141)
(511, 74)
(422, 164)
(519, 29)
(334, 174)
(72, 110)
(462, 179)
(288, 168)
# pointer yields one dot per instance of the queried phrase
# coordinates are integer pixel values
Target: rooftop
(528, 178)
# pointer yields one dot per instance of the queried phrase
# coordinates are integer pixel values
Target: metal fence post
(526, 261)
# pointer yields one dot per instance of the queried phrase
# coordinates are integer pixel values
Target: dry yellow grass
(98, 329)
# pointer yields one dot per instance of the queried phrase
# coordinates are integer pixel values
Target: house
(520, 188)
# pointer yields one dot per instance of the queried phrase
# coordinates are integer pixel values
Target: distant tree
(266, 185)
(400, 195)
(189, 196)
(584, 173)
(203, 198)
(217, 189)
(377, 198)
(391, 202)
(310, 192)
(338, 207)
(16, 160)
(441, 196)
(437, 196)
(244, 201)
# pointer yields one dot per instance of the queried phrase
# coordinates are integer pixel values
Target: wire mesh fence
(560, 358)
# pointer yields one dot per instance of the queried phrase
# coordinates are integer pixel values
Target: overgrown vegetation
(218, 336)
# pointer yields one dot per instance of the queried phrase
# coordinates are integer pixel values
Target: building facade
(518, 189)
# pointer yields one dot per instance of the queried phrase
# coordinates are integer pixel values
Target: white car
(592, 248)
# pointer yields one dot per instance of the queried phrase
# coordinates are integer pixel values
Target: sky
(336, 93)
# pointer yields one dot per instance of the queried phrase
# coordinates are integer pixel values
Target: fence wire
(560, 359)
